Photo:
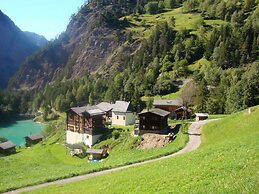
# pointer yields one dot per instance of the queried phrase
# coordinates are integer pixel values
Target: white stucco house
(123, 114)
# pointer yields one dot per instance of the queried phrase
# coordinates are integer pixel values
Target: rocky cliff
(89, 44)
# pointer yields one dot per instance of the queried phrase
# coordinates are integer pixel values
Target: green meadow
(51, 160)
(226, 162)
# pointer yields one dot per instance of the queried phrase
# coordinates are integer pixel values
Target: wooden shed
(153, 121)
(7, 147)
(33, 139)
(96, 154)
(201, 116)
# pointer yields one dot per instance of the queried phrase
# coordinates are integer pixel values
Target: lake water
(17, 130)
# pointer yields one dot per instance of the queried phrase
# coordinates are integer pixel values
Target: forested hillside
(128, 49)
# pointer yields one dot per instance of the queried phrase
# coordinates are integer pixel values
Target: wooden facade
(168, 105)
(154, 121)
(85, 123)
(7, 148)
(33, 139)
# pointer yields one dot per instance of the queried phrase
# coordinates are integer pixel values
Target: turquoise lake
(17, 130)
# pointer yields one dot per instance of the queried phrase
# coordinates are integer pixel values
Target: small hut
(96, 154)
(7, 147)
(33, 139)
(201, 116)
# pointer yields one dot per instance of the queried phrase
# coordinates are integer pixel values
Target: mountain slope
(15, 47)
(88, 43)
(38, 40)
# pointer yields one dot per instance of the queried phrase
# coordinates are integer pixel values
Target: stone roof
(35, 137)
(94, 151)
(157, 111)
(122, 106)
(91, 110)
(105, 106)
(7, 145)
(167, 103)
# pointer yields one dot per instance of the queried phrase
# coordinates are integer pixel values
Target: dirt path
(193, 144)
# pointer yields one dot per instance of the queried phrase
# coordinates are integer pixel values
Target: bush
(115, 134)
(3, 139)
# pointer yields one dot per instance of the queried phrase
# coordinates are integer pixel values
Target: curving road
(193, 143)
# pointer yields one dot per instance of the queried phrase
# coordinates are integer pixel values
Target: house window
(117, 117)
(144, 127)
(153, 127)
(143, 118)
(124, 118)
(87, 137)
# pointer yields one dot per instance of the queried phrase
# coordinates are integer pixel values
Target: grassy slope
(51, 160)
(227, 162)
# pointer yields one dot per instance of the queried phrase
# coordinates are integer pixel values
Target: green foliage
(152, 7)
(3, 139)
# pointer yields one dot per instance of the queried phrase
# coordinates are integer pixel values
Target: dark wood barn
(7, 147)
(33, 139)
(153, 121)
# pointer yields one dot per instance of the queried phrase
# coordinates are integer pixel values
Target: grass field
(226, 162)
(51, 160)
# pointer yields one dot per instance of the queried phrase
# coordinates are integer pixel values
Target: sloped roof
(7, 145)
(167, 103)
(122, 106)
(105, 106)
(35, 137)
(201, 114)
(157, 111)
(91, 110)
(94, 151)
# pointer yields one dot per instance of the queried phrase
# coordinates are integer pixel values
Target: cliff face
(14, 48)
(90, 43)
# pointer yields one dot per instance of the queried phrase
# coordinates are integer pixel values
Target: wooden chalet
(84, 125)
(7, 147)
(153, 121)
(168, 105)
(33, 139)
(201, 116)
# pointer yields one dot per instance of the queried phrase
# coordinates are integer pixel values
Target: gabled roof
(201, 114)
(91, 110)
(167, 103)
(7, 145)
(94, 151)
(122, 106)
(157, 111)
(35, 137)
(105, 106)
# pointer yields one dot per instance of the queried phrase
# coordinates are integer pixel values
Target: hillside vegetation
(51, 160)
(226, 162)
(128, 49)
